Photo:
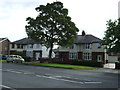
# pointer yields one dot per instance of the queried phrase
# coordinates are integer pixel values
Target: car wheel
(7, 61)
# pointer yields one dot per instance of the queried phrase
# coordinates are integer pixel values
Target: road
(24, 76)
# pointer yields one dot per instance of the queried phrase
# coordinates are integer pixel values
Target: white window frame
(87, 56)
(72, 47)
(87, 46)
(98, 45)
(73, 55)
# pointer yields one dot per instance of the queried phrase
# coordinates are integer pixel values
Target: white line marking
(10, 70)
(15, 72)
(92, 82)
(7, 87)
(59, 79)
(58, 76)
(28, 73)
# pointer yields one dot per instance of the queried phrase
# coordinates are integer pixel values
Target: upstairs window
(98, 45)
(31, 46)
(18, 45)
(87, 46)
(72, 47)
(13, 45)
(37, 45)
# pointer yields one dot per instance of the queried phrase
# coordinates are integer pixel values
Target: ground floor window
(87, 56)
(73, 55)
(29, 53)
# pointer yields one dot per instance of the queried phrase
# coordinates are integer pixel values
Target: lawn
(2, 60)
(60, 65)
(57, 65)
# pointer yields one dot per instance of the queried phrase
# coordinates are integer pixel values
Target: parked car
(15, 58)
(4, 57)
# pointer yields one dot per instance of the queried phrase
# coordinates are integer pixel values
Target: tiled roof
(25, 41)
(2, 39)
(86, 39)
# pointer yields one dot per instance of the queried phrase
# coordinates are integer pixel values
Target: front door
(99, 58)
(37, 56)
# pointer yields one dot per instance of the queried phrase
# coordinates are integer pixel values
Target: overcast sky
(88, 15)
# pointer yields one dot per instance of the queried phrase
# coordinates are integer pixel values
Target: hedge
(73, 62)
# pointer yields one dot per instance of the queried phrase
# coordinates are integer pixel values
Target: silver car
(15, 58)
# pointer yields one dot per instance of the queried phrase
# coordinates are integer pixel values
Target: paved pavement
(109, 68)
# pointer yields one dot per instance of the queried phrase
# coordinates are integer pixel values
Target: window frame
(87, 56)
(73, 55)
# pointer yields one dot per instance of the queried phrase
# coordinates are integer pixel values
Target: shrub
(79, 62)
(86, 63)
(27, 59)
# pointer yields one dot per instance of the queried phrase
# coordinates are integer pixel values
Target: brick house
(85, 47)
(4, 47)
(29, 48)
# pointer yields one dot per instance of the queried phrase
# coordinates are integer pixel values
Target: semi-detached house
(29, 48)
(85, 47)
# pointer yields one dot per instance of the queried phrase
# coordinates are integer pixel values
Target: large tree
(112, 36)
(52, 26)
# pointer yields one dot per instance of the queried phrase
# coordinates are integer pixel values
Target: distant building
(4, 47)
(29, 48)
(85, 47)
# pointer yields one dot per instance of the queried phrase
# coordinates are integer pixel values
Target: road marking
(7, 87)
(92, 82)
(11, 70)
(14, 71)
(28, 73)
(59, 79)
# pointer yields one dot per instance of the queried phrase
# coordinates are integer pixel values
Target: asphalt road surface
(24, 76)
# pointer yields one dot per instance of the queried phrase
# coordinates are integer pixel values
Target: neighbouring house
(85, 47)
(29, 48)
(4, 47)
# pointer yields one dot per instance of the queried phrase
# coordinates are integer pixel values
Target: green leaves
(52, 25)
(112, 36)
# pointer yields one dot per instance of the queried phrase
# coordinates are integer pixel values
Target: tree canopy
(52, 26)
(112, 36)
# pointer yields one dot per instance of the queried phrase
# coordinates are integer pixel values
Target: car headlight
(22, 59)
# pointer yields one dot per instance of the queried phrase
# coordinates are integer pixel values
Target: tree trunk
(50, 51)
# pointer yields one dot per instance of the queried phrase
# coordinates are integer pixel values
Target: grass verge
(2, 60)
(61, 66)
